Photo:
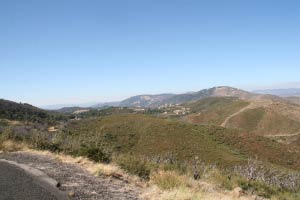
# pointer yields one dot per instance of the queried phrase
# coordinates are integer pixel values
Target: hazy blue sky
(59, 51)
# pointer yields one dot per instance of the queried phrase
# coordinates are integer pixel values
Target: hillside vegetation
(151, 137)
(262, 117)
(295, 100)
(160, 139)
(264, 122)
(26, 112)
(214, 110)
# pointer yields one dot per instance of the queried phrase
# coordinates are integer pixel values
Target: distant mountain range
(145, 100)
(280, 92)
(165, 99)
(168, 98)
(105, 104)
(59, 106)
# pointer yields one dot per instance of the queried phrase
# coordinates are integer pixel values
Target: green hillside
(214, 110)
(264, 122)
(150, 137)
(264, 118)
(26, 112)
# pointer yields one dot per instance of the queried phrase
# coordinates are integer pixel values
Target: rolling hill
(214, 110)
(153, 138)
(25, 112)
(263, 116)
(145, 100)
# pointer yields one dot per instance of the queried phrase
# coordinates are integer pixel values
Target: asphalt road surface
(16, 184)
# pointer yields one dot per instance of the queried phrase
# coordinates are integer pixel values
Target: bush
(225, 181)
(6, 134)
(95, 153)
(262, 189)
(274, 177)
(134, 166)
(43, 141)
(3, 123)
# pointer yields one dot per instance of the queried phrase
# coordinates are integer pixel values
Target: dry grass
(167, 180)
(169, 185)
(186, 193)
(10, 146)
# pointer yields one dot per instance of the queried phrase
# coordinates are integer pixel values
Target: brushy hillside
(295, 100)
(263, 117)
(222, 91)
(262, 148)
(25, 112)
(145, 100)
(151, 137)
(264, 121)
(155, 138)
(214, 110)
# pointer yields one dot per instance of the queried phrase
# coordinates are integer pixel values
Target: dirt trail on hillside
(253, 104)
(284, 135)
(225, 122)
(75, 180)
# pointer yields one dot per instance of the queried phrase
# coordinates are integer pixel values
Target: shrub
(3, 123)
(135, 166)
(225, 181)
(257, 171)
(262, 189)
(43, 141)
(95, 153)
(9, 134)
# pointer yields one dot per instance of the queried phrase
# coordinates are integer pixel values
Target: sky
(77, 51)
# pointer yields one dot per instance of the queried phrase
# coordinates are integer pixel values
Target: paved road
(16, 184)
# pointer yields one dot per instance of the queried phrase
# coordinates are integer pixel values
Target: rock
(71, 194)
(237, 192)
(117, 176)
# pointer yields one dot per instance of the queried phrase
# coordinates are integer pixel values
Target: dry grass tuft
(10, 146)
(187, 193)
(179, 193)
(167, 180)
